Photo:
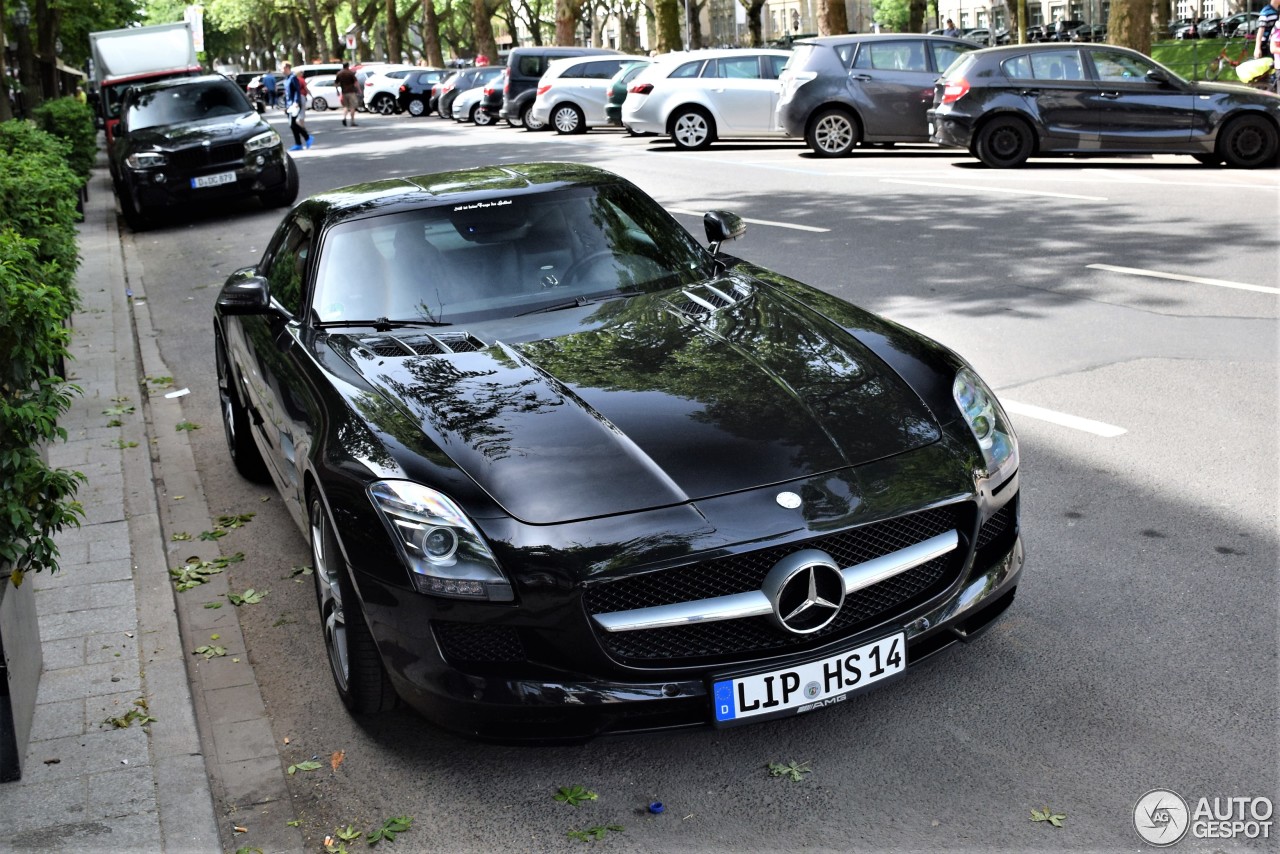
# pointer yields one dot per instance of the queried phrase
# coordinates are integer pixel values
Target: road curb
(245, 774)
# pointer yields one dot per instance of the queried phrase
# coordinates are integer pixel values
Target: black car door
(1139, 106)
(892, 85)
(1056, 90)
(271, 368)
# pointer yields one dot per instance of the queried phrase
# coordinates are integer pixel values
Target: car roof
(870, 37)
(458, 187)
(715, 53)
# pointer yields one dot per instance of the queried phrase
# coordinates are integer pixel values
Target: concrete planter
(21, 663)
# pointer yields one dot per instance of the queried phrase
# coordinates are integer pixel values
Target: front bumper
(165, 187)
(490, 703)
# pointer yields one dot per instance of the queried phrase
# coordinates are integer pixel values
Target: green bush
(71, 121)
(36, 501)
(38, 194)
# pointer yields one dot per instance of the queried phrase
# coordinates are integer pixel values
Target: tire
(1248, 142)
(416, 108)
(832, 133)
(445, 106)
(528, 121)
(567, 118)
(1005, 142)
(357, 669)
(235, 421)
(135, 215)
(480, 117)
(692, 128)
(319, 104)
(286, 195)
(383, 104)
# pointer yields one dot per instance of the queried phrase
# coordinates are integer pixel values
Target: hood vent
(702, 301)
(392, 346)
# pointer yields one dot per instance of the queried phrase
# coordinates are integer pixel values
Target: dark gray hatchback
(841, 91)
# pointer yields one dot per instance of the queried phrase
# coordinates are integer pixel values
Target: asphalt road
(1141, 652)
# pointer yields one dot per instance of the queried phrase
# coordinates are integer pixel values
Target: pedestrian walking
(951, 29)
(349, 86)
(269, 88)
(295, 104)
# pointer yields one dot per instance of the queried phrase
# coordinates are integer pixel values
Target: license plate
(795, 690)
(213, 180)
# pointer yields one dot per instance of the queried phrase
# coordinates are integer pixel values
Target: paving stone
(95, 621)
(28, 806)
(56, 720)
(235, 742)
(108, 594)
(237, 703)
(120, 792)
(89, 680)
(91, 753)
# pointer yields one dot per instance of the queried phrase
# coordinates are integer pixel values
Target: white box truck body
(123, 58)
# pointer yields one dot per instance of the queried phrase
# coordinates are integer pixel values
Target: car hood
(646, 402)
(216, 130)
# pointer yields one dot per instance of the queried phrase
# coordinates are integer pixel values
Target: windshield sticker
(475, 205)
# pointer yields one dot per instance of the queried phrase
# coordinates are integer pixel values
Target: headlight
(270, 139)
(444, 550)
(144, 160)
(988, 423)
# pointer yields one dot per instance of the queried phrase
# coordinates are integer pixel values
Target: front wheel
(832, 133)
(567, 118)
(417, 108)
(357, 669)
(692, 128)
(287, 194)
(319, 104)
(1005, 142)
(384, 104)
(1248, 142)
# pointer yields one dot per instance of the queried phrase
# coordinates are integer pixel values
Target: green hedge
(38, 260)
(72, 122)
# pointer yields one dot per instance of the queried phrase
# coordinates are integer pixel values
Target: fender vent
(391, 346)
(702, 301)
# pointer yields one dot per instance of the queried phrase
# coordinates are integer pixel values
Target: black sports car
(185, 141)
(1007, 104)
(565, 471)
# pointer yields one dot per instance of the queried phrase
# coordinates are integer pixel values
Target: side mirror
(244, 294)
(1155, 75)
(722, 226)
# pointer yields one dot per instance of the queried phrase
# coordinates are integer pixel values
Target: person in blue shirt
(269, 88)
(295, 104)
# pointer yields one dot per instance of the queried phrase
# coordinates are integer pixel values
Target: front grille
(995, 526)
(709, 642)
(198, 157)
(471, 643)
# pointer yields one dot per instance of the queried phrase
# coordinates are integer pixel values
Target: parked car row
(1002, 104)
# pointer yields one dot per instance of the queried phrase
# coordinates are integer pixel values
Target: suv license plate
(806, 687)
(213, 180)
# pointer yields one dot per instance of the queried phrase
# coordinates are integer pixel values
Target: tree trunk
(46, 22)
(482, 23)
(431, 35)
(1130, 25)
(313, 34)
(393, 32)
(754, 27)
(833, 20)
(668, 15)
(915, 16)
(567, 12)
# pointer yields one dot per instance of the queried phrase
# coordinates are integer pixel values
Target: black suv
(415, 91)
(842, 91)
(524, 67)
(188, 140)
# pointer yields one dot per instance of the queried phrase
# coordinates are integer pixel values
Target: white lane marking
(983, 189)
(1178, 277)
(759, 221)
(1062, 419)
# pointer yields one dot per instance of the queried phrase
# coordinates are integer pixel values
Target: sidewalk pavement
(109, 619)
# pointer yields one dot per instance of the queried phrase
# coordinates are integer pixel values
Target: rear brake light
(641, 88)
(489, 90)
(954, 90)
(404, 88)
(542, 90)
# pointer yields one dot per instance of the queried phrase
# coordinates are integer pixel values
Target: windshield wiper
(384, 324)
(580, 301)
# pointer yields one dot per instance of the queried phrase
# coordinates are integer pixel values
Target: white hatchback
(573, 91)
(466, 107)
(382, 87)
(700, 96)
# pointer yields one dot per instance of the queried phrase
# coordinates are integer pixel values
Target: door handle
(1111, 96)
(1031, 93)
(862, 78)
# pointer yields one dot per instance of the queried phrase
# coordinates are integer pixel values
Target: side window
(576, 71)
(945, 53)
(287, 266)
(1017, 67)
(845, 52)
(529, 66)
(601, 69)
(892, 56)
(1120, 68)
(773, 66)
(688, 69)
(737, 67)
(1056, 65)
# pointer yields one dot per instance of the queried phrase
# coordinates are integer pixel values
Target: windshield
(502, 257)
(188, 102)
